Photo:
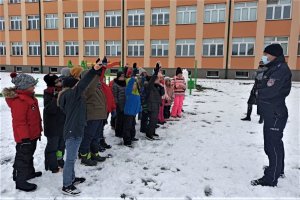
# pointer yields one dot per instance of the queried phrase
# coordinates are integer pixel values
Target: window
(33, 48)
(113, 18)
(214, 13)
(91, 48)
(3, 69)
(32, 1)
(14, 1)
(213, 47)
(186, 15)
(91, 19)
(71, 20)
(33, 22)
(113, 48)
(185, 47)
(245, 11)
(136, 17)
(1, 1)
(53, 70)
(212, 74)
(71, 48)
(2, 24)
(15, 23)
(299, 47)
(35, 69)
(283, 41)
(135, 47)
(16, 49)
(51, 21)
(241, 74)
(160, 47)
(19, 69)
(2, 49)
(160, 16)
(52, 49)
(243, 46)
(278, 9)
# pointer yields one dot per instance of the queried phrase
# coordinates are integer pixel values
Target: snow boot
(155, 135)
(34, 175)
(78, 180)
(71, 190)
(246, 118)
(261, 120)
(262, 182)
(25, 186)
(104, 144)
(96, 157)
(86, 160)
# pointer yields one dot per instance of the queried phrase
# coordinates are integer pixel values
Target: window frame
(16, 21)
(48, 19)
(73, 45)
(246, 6)
(279, 42)
(14, 1)
(214, 9)
(239, 43)
(3, 49)
(92, 17)
(32, 47)
(17, 45)
(209, 76)
(242, 77)
(139, 13)
(92, 44)
(164, 47)
(2, 24)
(136, 43)
(216, 42)
(69, 19)
(273, 6)
(113, 14)
(52, 45)
(184, 42)
(116, 44)
(183, 12)
(33, 24)
(160, 11)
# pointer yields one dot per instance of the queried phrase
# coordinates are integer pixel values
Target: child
(161, 118)
(154, 97)
(27, 127)
(72, 102)
(54, 120)
(131, 109)
(179, 91)
(169, 97)
(143, 83)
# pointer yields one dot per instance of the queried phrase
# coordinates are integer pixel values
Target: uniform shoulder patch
(271, 82)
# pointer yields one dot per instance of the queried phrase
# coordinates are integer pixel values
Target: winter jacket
(119, 93)
(169, 95)
(133, 100)
(73, 104)
(54, 118)
(179, 85)
(26, 118)
(110, 101)
(154, 94)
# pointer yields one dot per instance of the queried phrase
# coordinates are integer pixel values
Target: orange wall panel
(2, 36)
(187, 31)
(50, 35)
(112, 33)
(2, 60)
(33, 60)
(135, 33)
(160, 3)
(298, 63)
(278, 28)
(16, 60)
(52, 61)
(187, 62)
(138, 60)
(50, 7)
(91, 34)
(70, 6)
(159, 32)
(186, 2)
(163, 61)
(33, 35)
(214, 63)
(242, 62)
(135, 4)
(74, 59)
(1, 10)
(14, 9)
(15, 36)
(70, 34)
(214, 30)
(32, 8)
(244, 29)
(112, 5)
(90, 5)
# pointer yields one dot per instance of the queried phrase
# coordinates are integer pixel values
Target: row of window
(159, 48)
(214, 13)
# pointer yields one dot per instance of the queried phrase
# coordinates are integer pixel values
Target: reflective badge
(270, 82)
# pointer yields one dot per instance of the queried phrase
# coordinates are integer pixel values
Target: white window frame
(211, 9)
(136, 44)
(164, 13)
(53, 70)
(2, 49)
(18, 69)
(32, 1)
(186, 15)
(247, 42)
(280, 40)
(244, 7)
(91, 46)
(136, 17)
(35, 70)
(2, 69)
(216, 42)
(157, 45)
(241, 76)
(91, 19)
(280, 4)
(71, 20)
(209, 76)
(33, 22)
(51, 21)
(52, 48)
(34, 48)
(113, 16)
(190, 43)
(2, 24)
(71, 46)
(114, 48)
(14, 1)
(16, 21)
(16, 47)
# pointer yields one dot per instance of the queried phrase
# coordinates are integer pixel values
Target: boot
(25, 186)
(249, 111)
(34, 175)
(104, 144)
(61, 163)
(97, 158)
(246, 118)
(261, 120)
(262, 183)
(86, 160)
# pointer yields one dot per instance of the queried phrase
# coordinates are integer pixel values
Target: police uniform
(272, 91)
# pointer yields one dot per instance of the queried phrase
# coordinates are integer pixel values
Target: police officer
(274, 88)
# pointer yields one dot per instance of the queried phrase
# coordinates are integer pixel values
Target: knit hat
(22, 81)
(65, 71)
(76, 71)
(50, 79)
(178, 71)
(69, 82)
(274, 50)
(119, 74)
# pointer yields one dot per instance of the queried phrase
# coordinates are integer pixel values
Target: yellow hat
(76, 71)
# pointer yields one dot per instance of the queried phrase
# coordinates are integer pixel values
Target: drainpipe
(41, 41)
(228, 40)
(123, 31)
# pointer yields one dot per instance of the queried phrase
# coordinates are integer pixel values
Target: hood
(10, 92)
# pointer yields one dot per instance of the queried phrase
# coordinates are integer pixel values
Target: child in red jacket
(27, 127)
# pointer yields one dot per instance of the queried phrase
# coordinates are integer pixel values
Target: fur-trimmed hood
(9, 92)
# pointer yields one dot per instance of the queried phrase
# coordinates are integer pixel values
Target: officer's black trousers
(144, 122)
(273, 145)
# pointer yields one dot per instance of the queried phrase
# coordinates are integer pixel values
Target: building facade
(224, 38)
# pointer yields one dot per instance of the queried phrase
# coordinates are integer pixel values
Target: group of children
(76, 108)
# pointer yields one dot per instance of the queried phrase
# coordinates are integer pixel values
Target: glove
(156, 70)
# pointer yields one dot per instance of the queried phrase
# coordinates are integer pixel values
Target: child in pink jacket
(179, 86)
(169, 97)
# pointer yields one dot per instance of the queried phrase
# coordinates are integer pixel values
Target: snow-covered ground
(209, 148)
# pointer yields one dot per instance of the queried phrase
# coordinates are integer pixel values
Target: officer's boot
(249, 111)
(86, 160)
(261, 119)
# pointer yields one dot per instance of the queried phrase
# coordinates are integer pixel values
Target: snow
(210, 150)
